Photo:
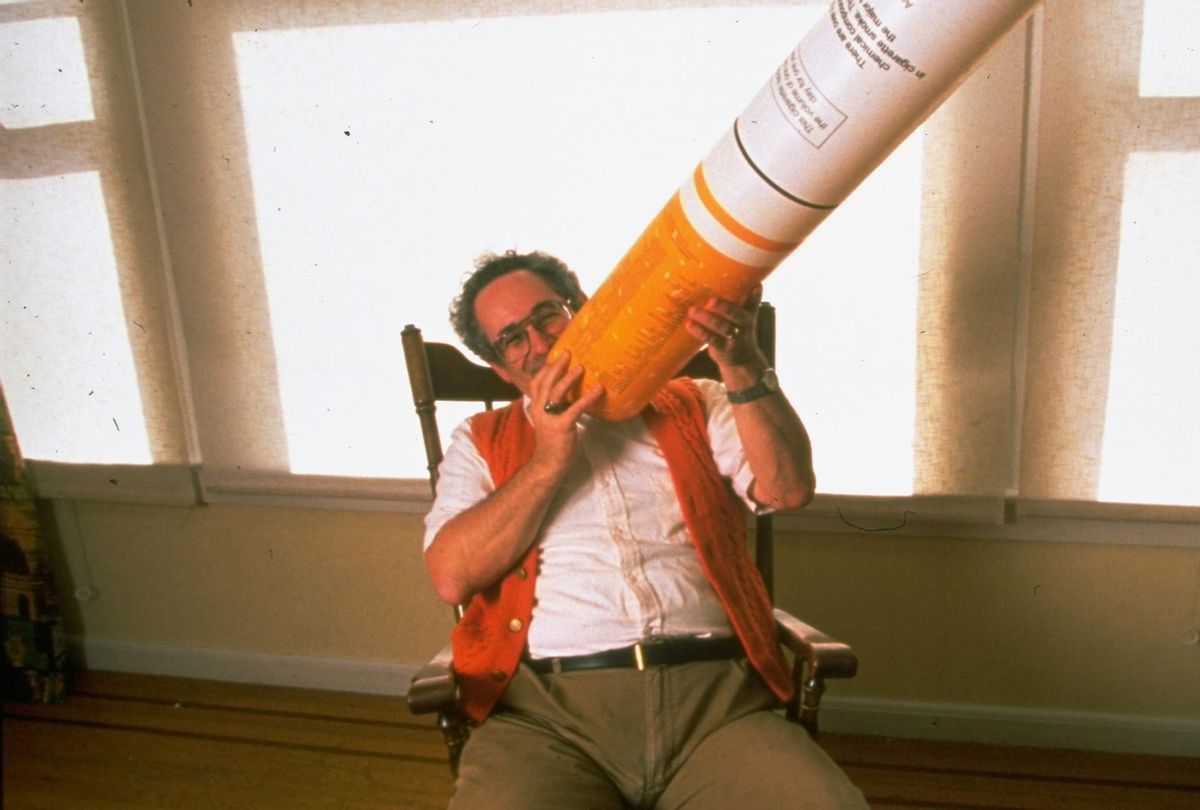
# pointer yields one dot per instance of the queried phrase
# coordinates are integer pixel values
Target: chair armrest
(434, 688)
(825, 656)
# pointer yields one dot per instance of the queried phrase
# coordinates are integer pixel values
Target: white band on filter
(724, 232)
(739, 188)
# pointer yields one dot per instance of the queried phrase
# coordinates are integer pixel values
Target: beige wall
(263, 580)
(1060, 627)
(1054, 626)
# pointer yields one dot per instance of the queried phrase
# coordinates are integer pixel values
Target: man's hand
(730, 330)
(554, 415)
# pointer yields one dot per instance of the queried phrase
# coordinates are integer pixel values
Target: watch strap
(768, 383)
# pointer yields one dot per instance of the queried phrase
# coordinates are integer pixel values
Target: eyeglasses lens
(549, 319)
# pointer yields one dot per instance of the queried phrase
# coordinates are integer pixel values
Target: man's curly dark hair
(491, 266)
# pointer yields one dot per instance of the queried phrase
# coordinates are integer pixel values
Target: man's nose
(539, 342)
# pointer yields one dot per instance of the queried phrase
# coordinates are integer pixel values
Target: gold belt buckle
(639, 657)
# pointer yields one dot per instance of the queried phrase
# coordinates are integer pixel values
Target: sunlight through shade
(1170, 51)
(65, 355)
(1151, 444)
(374, 196)
(43, 75)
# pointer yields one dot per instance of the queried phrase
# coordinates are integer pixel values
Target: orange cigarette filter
(863, 78)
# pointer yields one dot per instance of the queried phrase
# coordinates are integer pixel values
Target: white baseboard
(1003, 725)
(237, 666)
(1000, 725)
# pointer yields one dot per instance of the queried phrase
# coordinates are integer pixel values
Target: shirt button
(497, 675)
(515, 625)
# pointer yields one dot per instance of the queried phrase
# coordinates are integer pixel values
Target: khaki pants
(693, 736)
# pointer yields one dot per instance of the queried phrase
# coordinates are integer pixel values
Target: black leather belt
(644, 654)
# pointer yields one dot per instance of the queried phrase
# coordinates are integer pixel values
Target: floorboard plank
(139, 769)
(1061, 764)
(894, 787)
(137, 741)
(233, 725)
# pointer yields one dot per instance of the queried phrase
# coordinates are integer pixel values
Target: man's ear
(580, 301)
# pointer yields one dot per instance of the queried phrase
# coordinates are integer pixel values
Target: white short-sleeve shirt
(616, 564)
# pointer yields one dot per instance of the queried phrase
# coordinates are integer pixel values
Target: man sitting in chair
(618, 648)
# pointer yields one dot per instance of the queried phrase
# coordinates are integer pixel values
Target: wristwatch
(768, 383)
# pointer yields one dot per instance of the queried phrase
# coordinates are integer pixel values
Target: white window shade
(1113, 337)
(277, 189)
(86, 355)
(376, 178)
(1151, 448)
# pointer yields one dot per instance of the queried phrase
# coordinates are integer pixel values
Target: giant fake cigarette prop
(864, 77)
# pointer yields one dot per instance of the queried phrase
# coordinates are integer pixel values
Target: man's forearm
(778, 451)
(478, 546)
(774, 438)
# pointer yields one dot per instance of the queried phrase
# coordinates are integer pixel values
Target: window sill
(1037, 521)
(917, 516)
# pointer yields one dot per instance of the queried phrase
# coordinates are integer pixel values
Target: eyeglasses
(549, 317)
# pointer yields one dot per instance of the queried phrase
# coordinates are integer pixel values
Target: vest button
(515, 625)
(497, 675)
(522, 573)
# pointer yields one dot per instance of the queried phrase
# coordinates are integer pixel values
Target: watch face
(770, 381)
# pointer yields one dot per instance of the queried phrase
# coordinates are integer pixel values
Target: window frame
(1007, 515)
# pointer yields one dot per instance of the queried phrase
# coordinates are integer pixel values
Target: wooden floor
(142, 741)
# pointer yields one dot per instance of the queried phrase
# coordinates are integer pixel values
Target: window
(86, 351)
(1112, 353)
(260, 196)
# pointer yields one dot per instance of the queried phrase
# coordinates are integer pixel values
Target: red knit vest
(490, 638)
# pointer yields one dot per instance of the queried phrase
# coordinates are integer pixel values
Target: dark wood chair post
(424, 398)
(764, 525)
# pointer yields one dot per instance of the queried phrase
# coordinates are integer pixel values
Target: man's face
(503, 307)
